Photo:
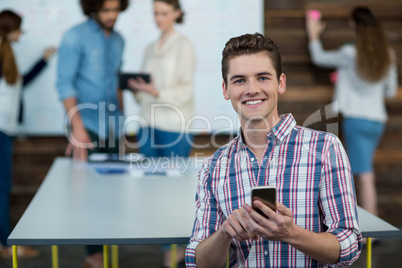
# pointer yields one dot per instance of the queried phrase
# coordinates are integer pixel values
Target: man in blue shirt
(90, 56)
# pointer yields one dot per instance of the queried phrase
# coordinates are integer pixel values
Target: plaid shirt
(313, 178)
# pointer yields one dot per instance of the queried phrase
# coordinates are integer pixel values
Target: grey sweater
(356, 98)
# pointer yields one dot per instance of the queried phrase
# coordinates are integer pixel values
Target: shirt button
(266, 253)
(252, 159)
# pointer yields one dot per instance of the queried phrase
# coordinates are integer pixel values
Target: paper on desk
(105, 157)
(109, 168)
(98, 157)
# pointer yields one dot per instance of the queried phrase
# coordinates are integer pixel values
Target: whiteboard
(208, 25)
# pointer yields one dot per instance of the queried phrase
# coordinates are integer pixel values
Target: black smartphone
(265, 194)
(123, 78)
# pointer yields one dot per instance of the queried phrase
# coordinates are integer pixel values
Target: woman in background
(167, 102)
(11, 83)
(367, 74)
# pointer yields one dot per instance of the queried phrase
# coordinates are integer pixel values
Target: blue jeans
(6, 154)
(157, 143)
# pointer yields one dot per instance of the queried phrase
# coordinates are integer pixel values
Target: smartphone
(124, 77)
(265, 194)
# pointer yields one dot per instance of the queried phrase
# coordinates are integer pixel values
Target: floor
(387, 254)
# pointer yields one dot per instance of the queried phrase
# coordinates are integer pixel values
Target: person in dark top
(11, 85)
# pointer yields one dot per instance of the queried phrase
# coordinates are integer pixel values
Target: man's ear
(282, 84)
(225, 91)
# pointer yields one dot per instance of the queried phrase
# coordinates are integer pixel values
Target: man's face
(107, 15)
(253, 87)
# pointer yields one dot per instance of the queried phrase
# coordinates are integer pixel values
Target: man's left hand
(276, 227)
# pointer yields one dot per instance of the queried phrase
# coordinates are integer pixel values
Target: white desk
(372, 226)
(77, 206)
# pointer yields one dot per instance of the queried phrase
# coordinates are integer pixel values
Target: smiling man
(315, 222)
(90, 57)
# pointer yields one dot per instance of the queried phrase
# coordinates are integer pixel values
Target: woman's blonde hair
(373, 57)
(9, 21)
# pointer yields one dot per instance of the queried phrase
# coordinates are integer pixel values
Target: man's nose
(113, 14)
(253, 87)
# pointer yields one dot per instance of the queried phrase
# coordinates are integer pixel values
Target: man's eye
(239, 81)
(263, 78)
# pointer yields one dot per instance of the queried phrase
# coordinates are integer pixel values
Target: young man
(90, 56)
(89, 61)
(315, 222)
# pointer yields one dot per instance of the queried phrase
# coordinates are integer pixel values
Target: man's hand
(79, 140)
(79, 144)
(323, 247)
(277, 227)
(236, 226)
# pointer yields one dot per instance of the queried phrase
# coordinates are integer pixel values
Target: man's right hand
(236, 226)
(212, 251)
(79, 144)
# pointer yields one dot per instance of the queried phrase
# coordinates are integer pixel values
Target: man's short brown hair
(250, 44)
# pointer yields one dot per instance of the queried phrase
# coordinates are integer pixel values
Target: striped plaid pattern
(313, 178)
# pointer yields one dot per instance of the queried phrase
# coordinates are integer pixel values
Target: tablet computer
(124, 77)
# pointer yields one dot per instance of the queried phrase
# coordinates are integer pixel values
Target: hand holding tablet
(124, 77)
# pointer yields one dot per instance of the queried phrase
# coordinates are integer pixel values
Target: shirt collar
(284, 127)
(96, 26)
(279, 131)
(169, 40)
